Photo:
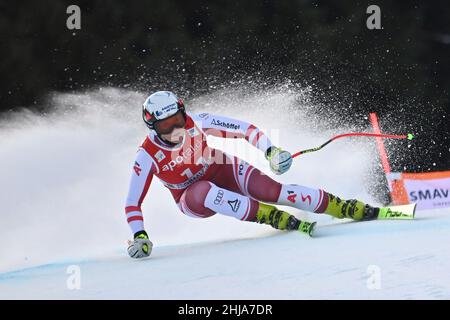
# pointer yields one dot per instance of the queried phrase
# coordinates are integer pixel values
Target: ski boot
(352, 209)
(360, 211)
(282, 220)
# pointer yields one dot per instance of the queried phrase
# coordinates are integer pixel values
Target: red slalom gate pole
(396, 187)
(380, 144)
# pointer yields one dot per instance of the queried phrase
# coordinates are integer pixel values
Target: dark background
(402, 71)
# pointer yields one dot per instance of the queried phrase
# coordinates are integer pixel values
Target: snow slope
(64, 181)
(412, 257)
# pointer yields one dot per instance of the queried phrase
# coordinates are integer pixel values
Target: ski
(402, 212)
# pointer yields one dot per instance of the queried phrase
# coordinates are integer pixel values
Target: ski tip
(410, 136)
(311, 229)
(399, 212)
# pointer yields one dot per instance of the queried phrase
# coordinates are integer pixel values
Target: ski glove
(141, 247)
(280, 160)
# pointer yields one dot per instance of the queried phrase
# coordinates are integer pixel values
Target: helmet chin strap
(164, 140)
(167, 141)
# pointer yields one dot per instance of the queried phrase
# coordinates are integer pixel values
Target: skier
(205, 181)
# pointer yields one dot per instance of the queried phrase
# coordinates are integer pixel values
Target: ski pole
(409, 136)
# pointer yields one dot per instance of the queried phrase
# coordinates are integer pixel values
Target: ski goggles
(166, 126)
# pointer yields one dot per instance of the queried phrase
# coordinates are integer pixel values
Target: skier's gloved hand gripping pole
(280, 160)
(141, 246)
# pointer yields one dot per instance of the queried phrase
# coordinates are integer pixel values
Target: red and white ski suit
(204, 181)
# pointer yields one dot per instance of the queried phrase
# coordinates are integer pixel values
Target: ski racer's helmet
(159, 106)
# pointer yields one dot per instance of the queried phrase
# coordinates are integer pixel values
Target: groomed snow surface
(63, 231)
